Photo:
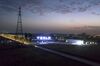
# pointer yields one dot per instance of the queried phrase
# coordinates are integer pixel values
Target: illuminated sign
(43, 37)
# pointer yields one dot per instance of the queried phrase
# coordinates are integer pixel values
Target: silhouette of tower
(19, 29)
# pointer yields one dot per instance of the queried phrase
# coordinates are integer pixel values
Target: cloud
(45, 6)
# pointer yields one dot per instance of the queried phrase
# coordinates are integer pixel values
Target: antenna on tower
(19, 29)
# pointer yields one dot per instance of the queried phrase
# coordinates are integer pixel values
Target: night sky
(61, 16)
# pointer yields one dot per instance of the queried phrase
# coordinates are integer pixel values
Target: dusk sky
(65, 16)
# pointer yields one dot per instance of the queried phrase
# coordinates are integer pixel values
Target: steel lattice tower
(19, 29)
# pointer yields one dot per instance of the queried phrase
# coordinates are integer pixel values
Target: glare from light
(79, 42)
(49, 38)
(75, 42)
(41, 38)
(44, 37)
(38, 37)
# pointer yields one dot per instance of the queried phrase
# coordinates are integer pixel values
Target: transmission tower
(19, 29)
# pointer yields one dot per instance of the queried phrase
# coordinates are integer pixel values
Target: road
(91, 63)
(84, 61)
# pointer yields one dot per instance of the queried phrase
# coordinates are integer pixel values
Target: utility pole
(19, 29)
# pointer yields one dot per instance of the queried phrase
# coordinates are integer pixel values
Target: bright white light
(38, 37)
(46, 38)
(49, 38)
(75, 42)
(79, 42)
(43, 37)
